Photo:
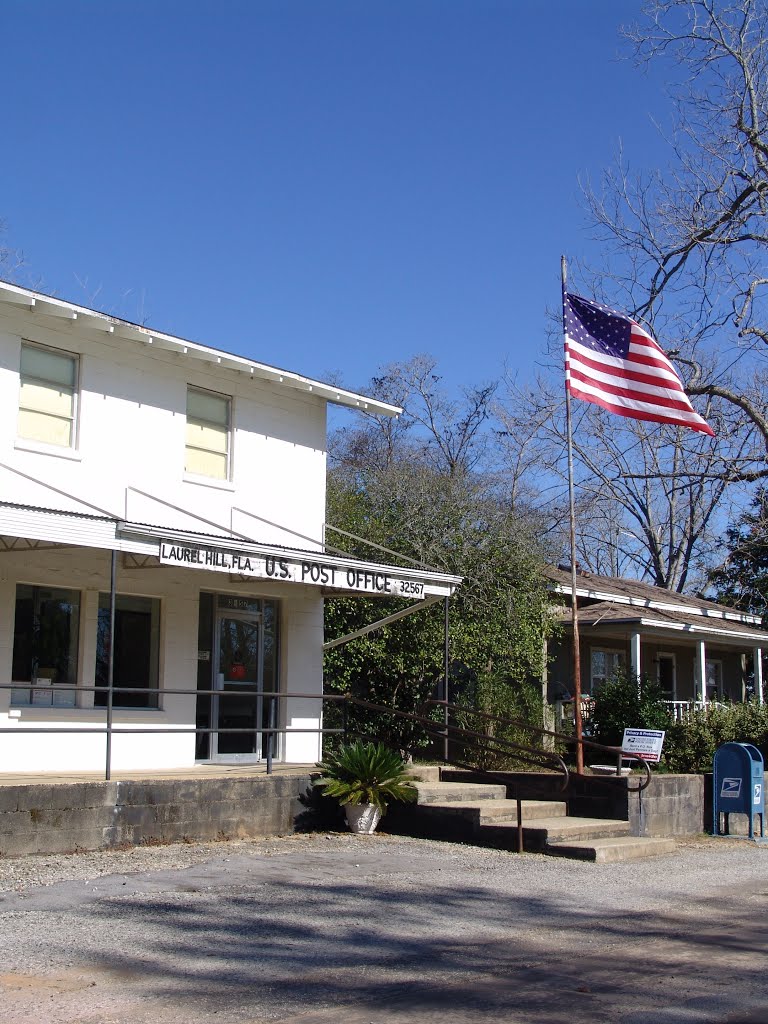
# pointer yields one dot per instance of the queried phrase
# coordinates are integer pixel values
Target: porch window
(666, 675)
(208, 434)
(714, 674)
(605, 665)
(45, 642)
(47, 396)
(137, 651)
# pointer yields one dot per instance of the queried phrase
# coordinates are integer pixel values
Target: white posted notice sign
(643, 743)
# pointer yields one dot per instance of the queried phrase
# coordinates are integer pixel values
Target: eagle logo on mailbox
(731, 788)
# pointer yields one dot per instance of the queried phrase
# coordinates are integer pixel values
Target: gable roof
(81, 316)
(618, 591)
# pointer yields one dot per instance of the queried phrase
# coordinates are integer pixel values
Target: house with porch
(697, 650)
(163, 562)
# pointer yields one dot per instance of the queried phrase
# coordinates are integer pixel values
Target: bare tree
(687, 245)
(651, 497)
(450, 435)
(11, 260)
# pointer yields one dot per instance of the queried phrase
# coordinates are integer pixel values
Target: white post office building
(162, 557)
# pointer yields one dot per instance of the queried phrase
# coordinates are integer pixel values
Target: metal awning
(235, 556)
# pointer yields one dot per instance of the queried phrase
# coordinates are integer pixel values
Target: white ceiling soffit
(90, 319)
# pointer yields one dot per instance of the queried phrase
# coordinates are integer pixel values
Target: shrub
(521, 703)
(366, 773)
(626, 702)
(690, 745)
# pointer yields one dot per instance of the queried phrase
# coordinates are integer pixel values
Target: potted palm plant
(364, 777)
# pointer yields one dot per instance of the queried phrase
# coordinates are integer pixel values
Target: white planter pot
(362, 818)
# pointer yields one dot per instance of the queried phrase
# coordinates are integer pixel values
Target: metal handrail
(518, 750)
(443, 730)
(470, 737)
(616, 752)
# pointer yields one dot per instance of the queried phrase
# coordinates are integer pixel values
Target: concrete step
(505, 810)
(539, 834)
(532, 810)
(425, 772)
(611, 850)
(445, 792)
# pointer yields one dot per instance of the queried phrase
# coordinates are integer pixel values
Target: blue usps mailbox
(738, 785)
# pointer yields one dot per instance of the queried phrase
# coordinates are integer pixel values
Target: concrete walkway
(196, 771)
(381, 930)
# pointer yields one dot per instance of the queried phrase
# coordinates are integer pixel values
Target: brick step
(425, 772)
(611, 850)
(445, 792)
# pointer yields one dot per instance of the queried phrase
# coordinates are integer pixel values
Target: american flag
(611, 361)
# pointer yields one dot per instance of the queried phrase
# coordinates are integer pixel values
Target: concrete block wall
(673, 805)
(67, 817)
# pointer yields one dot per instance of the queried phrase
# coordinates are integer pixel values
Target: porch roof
(619, 591)
(615, 617)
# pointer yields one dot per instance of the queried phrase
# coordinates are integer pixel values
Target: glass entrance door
(239, 667)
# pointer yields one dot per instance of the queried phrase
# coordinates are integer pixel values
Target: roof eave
(90, 319)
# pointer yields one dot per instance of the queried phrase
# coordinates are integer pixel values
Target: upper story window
(208, 434)
(48, 395)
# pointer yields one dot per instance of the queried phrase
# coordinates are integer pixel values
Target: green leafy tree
(426, 493)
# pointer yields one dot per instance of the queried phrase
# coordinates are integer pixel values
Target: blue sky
(326, 185)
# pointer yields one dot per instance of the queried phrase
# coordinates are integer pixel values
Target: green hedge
(626, 702)
(689, 746)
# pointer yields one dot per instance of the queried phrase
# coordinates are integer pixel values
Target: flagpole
(574, 605)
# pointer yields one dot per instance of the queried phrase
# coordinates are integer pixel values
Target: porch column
(634, 655)
(757, 656)
(701, 670)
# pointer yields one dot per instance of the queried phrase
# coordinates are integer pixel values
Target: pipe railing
(440, 731)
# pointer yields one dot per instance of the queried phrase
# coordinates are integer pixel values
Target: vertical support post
(446, 669)
(111, 661)
(701, 670)
(757, 672)
(572, 516)
(519, 807)
(345, 718)
(634, 655)
(271, 718)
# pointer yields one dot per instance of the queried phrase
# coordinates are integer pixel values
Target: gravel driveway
(367, 930)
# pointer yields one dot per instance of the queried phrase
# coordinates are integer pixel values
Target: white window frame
(47, 693)
(230, 437)
(620, 660)
(673, 658)
(717, 664)
(75, 416)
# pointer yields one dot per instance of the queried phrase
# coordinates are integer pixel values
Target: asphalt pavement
(384, 930)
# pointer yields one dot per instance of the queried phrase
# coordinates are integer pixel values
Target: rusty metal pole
(446, 666)
(574, 604)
